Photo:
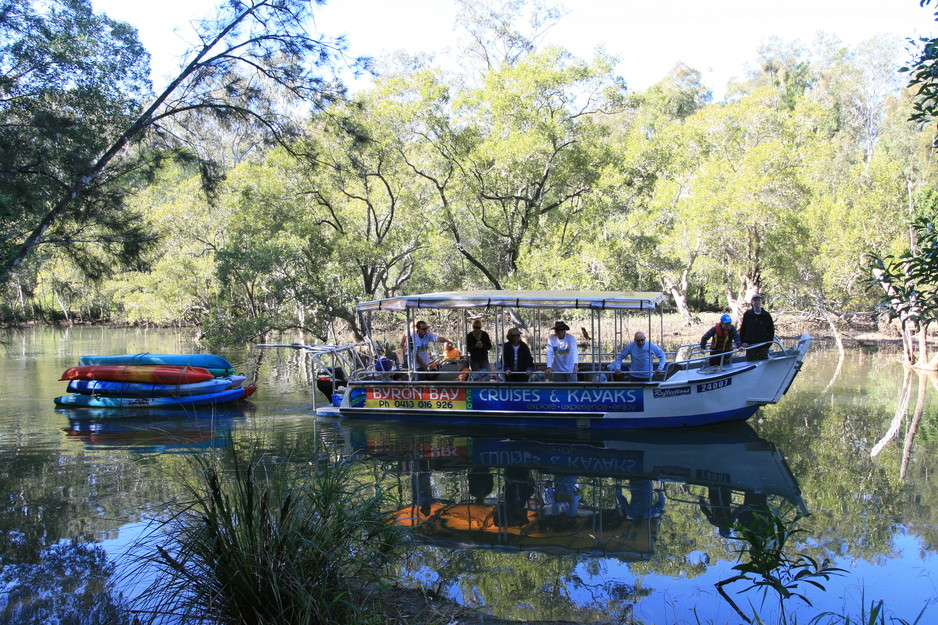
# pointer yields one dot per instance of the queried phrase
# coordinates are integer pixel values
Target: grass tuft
(269, 542)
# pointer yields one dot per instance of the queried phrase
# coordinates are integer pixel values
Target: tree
(496, 38)
(516, 154)
(750, 188)
(658, 155)
(69, 81)
(910, 282)
(923, 77)
(783, 65)
(255, 53)
(365, 198)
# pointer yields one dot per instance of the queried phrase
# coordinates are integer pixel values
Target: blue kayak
(208, 361)
(138, 389)
(143, 402)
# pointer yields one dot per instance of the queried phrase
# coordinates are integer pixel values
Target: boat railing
(693, 356)
(333, 365)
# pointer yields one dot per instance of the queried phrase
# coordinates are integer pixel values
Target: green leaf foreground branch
(770, 566)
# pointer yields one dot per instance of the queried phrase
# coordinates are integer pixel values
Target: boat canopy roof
(601, 300)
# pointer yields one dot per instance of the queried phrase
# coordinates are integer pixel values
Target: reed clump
(264, 541)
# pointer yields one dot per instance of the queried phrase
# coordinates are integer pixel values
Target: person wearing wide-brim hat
(516, 357)
(757, 327)
(563, 359)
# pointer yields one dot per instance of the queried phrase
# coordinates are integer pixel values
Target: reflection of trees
(827, 426)
(68, 584)
(858, 500)
(924, 378)
(58, 492)
(524, 586)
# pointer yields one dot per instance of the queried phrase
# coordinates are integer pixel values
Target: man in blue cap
(723, 336)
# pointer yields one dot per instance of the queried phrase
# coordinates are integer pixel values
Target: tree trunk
(678, 291)
(838, 335)
(62, 305)
(680, 300)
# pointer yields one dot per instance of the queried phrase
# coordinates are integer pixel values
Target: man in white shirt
(563, 359)
(420, 341)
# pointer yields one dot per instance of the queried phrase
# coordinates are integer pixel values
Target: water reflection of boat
(151, 431)
(591, 497)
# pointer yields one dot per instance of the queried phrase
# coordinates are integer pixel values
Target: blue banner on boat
(540, 399)
(513, 398)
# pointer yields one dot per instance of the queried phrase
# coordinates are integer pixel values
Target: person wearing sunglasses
(640, 352)
(419, 341)
(479, 344)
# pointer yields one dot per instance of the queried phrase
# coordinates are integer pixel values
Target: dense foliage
(81, 129)
(530, 168)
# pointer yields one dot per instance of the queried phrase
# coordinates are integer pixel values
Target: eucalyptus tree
(784, 65)
(647, 189)
(77, 111)
(516, 159)
(272, 264)
(373, 211)
(859, 207)
(751, 186)
(504, 32)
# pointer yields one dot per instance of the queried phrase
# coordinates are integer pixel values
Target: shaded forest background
(256, 194)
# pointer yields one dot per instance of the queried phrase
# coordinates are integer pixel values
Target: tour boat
(368, 380)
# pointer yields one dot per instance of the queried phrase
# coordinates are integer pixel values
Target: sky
(717, 37)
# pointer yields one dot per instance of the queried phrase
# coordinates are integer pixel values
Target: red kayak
(153, 374)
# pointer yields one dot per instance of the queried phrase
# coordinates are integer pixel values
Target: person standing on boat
(420, 341)
(757, 327)
(516, 357)
(722, 336)
(478, 343)
(563, 359)
(640, 352)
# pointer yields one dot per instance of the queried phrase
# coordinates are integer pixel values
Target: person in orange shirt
(450, 352)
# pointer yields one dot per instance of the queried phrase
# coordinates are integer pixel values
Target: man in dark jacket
(757, 327)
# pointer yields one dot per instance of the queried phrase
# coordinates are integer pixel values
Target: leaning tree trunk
(831, 319)
(680, 300)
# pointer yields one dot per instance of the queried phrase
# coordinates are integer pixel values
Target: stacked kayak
(158, 380)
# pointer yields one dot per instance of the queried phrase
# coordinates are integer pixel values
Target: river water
(527, 527)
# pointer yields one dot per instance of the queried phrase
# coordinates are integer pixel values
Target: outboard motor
(329, 379)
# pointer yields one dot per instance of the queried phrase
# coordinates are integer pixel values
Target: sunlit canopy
(603, 300)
